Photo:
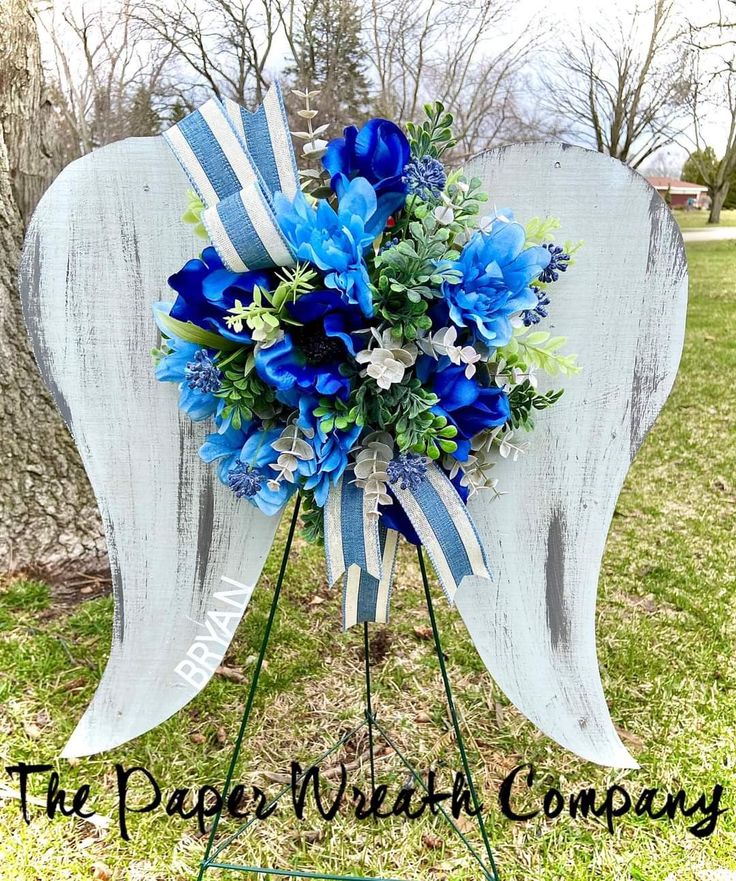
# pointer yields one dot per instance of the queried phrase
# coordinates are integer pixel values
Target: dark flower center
(316, 346)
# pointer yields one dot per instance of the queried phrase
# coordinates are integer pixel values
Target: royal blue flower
(309, 355)
(379, 152)
(496, 274)
(245, 456)
(335, 240)
(196, 402)
(330, 451)
(206, 290)
(465, 403)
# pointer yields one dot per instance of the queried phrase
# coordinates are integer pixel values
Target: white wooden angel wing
(622, 308)
(185, 553)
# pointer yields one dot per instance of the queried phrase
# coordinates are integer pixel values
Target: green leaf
(191, 333)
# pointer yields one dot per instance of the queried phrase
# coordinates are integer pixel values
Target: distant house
(682, 193)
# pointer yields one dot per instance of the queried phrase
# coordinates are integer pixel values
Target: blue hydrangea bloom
(379, 152)
(330, 452)
(195, 402)
(464, 402)
(250, 447)
(496, 273)
(206, 290)
(309, 355)
(335, 240)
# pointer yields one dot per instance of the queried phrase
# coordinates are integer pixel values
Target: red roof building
(682, 193)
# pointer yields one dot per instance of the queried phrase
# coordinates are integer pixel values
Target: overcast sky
(562, 15)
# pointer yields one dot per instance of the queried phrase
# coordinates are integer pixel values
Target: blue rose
(465, 403)
(309, 355)
(379, 152)
(206, 290)
(496, 273)
(333, 240)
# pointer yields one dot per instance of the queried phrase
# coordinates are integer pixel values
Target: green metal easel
(213, 857)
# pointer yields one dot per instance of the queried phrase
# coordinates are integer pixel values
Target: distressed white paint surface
(622, 308)
(100, 247)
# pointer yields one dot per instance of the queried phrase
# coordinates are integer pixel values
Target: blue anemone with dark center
(465, 403)
(207, 290)
(425, 177)
(496, 273)
(309, 355)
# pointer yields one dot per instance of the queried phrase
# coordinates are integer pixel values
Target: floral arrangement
(408, 330)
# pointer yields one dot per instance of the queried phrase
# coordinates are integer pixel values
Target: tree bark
(49, 523)
(716, 203)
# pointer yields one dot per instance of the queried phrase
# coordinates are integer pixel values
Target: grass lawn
(666, 634)
(699, 219)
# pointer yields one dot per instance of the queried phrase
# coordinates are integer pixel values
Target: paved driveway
(709, 234)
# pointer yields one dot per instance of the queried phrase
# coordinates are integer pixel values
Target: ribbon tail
(445, 528)
(364, 597)
(360, 551)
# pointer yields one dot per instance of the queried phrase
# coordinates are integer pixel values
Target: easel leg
(368, 704)
(252, 691)
(453, 714)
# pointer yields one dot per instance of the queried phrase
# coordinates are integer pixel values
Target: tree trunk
(716, 202)
(49, 522)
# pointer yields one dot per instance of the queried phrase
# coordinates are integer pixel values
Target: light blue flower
(245, 456)
(496, 274)
(333, 240)
(330, 451)
(181, 366)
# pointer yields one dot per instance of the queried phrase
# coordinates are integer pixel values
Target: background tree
(222, 47)
(624, 96)
(327, 46)
(701, 167)
(458, 50)
(713, 74)
(108, 80)
(48, 517)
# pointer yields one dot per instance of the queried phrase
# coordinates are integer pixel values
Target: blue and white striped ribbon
(360, 551)
(236, 161)
(445, 529)
(363, 552)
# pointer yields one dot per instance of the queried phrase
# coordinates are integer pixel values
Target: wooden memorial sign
(186, 554)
